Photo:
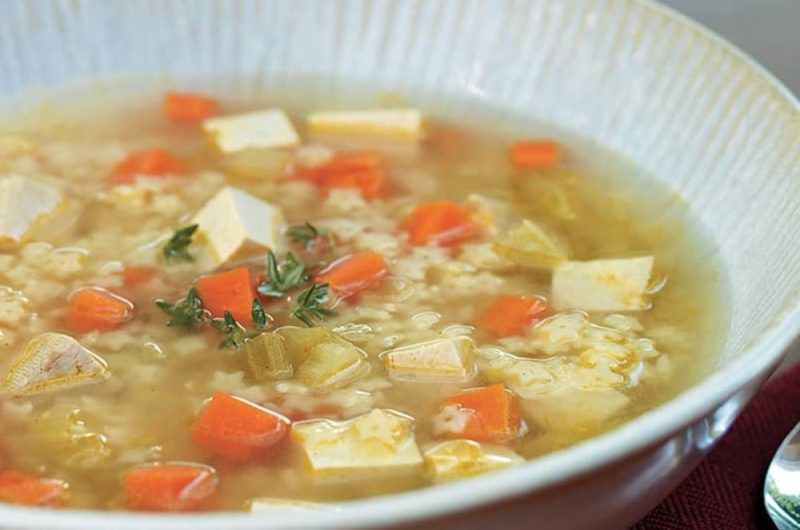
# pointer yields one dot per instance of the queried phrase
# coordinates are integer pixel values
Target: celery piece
(530, 245)
(268, 358)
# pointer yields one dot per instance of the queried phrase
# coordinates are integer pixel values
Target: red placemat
(725, 491)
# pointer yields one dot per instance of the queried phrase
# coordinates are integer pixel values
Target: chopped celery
(530, 245)
(332, 364)
(268, 357)
(324, 360)
(300, 340)
(549, 197)
(71, 439)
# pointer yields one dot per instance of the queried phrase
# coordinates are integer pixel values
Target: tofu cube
(406, 124)
(574, 409)
(442, 360)
(377, 444)
(457, 459)
(54, 361)
(237, 225)
(602, 285)
(25, 203)
(260, 129)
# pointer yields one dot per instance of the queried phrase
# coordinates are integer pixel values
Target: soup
(225, 305)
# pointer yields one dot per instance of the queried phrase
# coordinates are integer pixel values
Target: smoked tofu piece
(377, 444)
(457, 459)
(237, 225)
(406, 124)
(442, 360)
(602, 285)
(25, 203)
(260, 129)
(54, 361)
(574, 409)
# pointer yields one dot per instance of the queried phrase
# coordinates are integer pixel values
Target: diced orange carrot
(354, 273)
(511, 315)
(442, 222)
(534, 154)
(339, 164)
(96, 309)
(362, 170)
(446, 141)
(494, 414)
(240, 431)
(135, 276)
(155, 162)
(230, 291)
(370, 182)
(188, 108)
(170, 487)
(29, 490)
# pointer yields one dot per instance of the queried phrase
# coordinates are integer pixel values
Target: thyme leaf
(188, 313)
(234, 332)
(283, 277)
(310, 307)
(176, 247)
(309, 235)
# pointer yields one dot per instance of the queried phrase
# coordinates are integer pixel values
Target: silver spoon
(782, 486)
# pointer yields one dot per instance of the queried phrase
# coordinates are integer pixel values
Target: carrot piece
(534, 154)
(354, 273)
(97, 309)
(361, 170)
(339, 164)
(238, 430)
(511, 315)
(170, 487)
(29, 490)
(155, 162)
(186, 108)
(135, 276)
(228, 291)
(370, 182)
(442, 222)
(494, 414)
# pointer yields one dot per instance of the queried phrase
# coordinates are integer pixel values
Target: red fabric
(725, 491)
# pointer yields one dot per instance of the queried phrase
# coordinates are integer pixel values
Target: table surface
(768, 30)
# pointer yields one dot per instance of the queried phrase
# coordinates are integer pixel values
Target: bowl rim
(646, 430)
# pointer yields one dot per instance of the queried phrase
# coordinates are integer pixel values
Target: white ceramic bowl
(662, 91)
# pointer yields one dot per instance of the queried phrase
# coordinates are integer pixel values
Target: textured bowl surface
(632, 76)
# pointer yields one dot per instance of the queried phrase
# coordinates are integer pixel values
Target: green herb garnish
(176, 246)
(282, 277)
(309, 304)
(234, 332)
(188, 313)
(260, 317)
(309, 235)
